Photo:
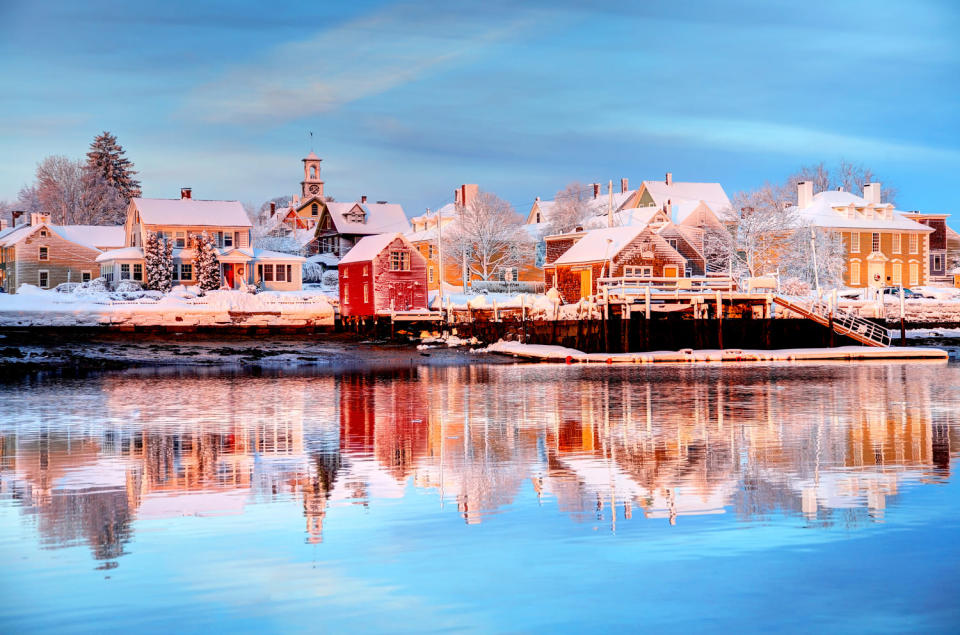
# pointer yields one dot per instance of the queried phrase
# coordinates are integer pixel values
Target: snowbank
(180, 307)
(542, 352)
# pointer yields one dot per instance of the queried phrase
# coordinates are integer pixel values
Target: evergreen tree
(207, 263)
(158, 254)
(106, 161)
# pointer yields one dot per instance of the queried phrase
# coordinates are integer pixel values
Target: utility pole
(440, 254)
(813, 248)
(610, 203)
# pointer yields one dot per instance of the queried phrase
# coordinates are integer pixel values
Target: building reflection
(830, 446)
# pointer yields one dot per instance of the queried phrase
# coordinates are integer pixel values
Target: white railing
(627, 286)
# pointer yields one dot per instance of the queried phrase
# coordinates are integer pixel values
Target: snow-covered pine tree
(158, 256)
(207, 263)
(106, 160)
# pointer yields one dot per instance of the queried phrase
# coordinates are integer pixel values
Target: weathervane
(311, 141)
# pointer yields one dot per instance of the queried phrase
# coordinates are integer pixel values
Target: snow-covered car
(908, 294)
(66, 287)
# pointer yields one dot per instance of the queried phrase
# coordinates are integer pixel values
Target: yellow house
(883, 246)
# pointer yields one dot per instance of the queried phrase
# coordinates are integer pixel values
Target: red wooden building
(382, 273)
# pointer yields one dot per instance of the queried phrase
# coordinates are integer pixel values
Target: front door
(670, 271)
(228, 274)
(586, 283)
(875, 272)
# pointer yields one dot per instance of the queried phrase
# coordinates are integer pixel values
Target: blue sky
(408, 100)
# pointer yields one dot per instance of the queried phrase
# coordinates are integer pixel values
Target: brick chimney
(36, 218)
(4, 224)
(804, 194)
(273, 208)
(669, 178)
(596, 190)
(15, 214)
(185, 193)
(363, 199)
(871, 192)
(624, 185)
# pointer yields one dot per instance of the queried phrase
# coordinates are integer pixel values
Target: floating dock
(546, 353)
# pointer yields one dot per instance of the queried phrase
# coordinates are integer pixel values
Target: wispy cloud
(364, 57)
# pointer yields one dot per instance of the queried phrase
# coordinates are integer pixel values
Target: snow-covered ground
(32, 306)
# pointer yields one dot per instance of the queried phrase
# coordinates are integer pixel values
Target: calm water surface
(484, 498)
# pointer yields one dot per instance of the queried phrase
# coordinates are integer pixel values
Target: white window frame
(938, 261)
(134, 273)
(897, 274)
(855, 278)
(430, 274)
(268, 272)
(86, 272)
(180, 240)
(40, 274)
(875, 242)
(41, 251)
(366, 293)
(914, 274)
(914, 244)
(638, 271)
(125, 275)
(280, 274)
(227, 239)
(854, 242)
(346, 294)
(897, 243)
(186, 267)
(399, 260)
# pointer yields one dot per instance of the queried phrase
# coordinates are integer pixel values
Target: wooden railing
(632, 286)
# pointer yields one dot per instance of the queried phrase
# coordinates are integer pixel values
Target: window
(430, 275)
(896, 243)
(913, 243)
(176, 271)
(43, 233)
(106, 272)
(228, 239)
(854, 273)
(268, 273)
(43, 279)
(346, 295)
(366, 270)
(138, 271)
(399, 261)
(85, 276)
(638, 271)
(314, 210)
(938, 262)
(897, 274)
(281, 274)
(366, 293)
(181, 240)
(875, 245)
(44, 254)
(672, 242)
(125, 271)
(346, 272)
(289, 273)
(430, 252)
(854, 243)
(186, 272)
(914, 274)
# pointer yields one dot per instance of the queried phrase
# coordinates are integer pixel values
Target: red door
(228, 274)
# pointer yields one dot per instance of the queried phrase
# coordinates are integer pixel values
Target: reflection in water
(84, 464)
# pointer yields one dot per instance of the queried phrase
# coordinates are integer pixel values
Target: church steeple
(312, 184)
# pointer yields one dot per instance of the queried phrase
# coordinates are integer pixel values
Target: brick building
(380, 274)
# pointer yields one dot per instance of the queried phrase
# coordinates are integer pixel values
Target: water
(483, 498)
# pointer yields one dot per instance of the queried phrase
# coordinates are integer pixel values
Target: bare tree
(826, 266)
(486, 236)
(572, 206)
(767, 219)
(28, 199)
(72, 195)
(851, 177)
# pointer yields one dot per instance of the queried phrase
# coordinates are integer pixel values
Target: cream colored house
(45, 255)
(181, 221)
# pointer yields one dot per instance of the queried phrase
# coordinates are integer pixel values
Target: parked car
(908, 294)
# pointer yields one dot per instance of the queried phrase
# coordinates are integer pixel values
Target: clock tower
(311, 185)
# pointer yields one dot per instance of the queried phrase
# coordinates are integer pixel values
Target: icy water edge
(483, 498)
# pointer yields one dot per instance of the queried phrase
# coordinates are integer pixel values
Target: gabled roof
(710, 193)
(379, 218)
(823, 212)
(596, 206)
(93, 236)
(191, 212)
(640, 216)
(600, 244)
(12, 235)
(369, 247)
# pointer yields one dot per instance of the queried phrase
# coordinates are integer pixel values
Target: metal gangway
(842, 322)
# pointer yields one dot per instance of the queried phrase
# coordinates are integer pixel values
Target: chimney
(669, 179)
(273, 208)
(34, 219)
(804, 194)
(363, 199)
(3, 224)
(871, 192)
(381, 202)
(468, 192)
(458, 196)
(578, 228)
(624, 185)
(185, 193)
(15, 214)
(596, 190)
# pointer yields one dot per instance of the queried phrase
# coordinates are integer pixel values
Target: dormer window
(356, 215)
(43, 233)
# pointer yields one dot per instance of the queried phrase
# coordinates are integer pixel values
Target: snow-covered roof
(127, 253)
(94, 236)
(378, 218)
(600, 244)
(447, 211)
(676, 192)
(596, 206)
(639, 216)
(191, 212)
(329, 260)
(265, 254)
(844, 210)
(12, 235)
(369, 247)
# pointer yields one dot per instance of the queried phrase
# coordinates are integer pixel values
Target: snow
(822, 212)
(369, 247)
(127, 253)
(379, 218)
(93, 236)
(556, 353)
(710, 193)
(931, 333)
(600, 244)
(327, 260)
(191, 212)
(181, 307)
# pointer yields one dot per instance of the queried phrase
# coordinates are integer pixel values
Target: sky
(407, 100)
